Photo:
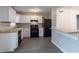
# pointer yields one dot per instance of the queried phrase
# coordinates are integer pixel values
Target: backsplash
(4, 24)
(23, 25)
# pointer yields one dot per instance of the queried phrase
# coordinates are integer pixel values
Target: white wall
(67, 19)
(53, 16)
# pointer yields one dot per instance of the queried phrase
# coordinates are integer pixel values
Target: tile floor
(37, 45)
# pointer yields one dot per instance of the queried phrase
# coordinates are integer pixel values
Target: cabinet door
(28, 18)
(25, 19)
(4, 15)
(12, 14)
(22, 19)
(17, 18)
(26, 32)
(41, 32)
(39, 19)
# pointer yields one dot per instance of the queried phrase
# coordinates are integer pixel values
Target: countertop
(16, 29)
(69, 33)
(68, 30)
(65, 30)
(12, 30)
(72, 35)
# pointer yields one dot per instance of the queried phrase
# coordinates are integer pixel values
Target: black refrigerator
(47, 27)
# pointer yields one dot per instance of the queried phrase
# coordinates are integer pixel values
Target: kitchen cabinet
(7, 14)
(28, 18)
(41, 32)
(39, 18)
(17, 18)
(10, 40)
(4, 13)
(24, 19)
(26, 32)
(12, 15)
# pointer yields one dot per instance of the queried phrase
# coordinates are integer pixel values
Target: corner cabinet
(12, 14)
(7, 14)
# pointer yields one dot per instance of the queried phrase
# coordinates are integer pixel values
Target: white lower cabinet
(17, 18)
(28, 18)
(26, 32)
(24, 19)
(8, 42)
(41, 32)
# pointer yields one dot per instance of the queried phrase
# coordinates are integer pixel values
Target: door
(77, 21)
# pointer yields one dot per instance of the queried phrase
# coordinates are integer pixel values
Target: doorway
(77, 21)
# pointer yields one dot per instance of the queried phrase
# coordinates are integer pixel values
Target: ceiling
(43, 9)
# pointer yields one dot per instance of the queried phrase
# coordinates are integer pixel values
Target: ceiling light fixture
(35, 10)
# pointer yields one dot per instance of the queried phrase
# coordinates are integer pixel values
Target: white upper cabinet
(28, 18)
(39, 18)
(25, 19)
(22, 19)
(17, 18)
(7, 13)
(12, 14)
(4, 13)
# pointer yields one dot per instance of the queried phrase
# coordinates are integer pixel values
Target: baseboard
(59, 47)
